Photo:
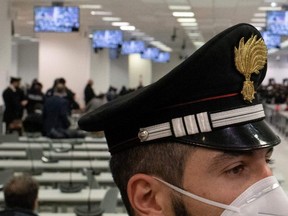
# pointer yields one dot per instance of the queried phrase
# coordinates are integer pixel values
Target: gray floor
(280, 157)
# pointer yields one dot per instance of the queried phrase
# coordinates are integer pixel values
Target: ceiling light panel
(183, 14)
(182, 20)
(120, 24)
(179, 7)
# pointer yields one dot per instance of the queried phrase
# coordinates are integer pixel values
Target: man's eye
(269, 161)
(236, 170)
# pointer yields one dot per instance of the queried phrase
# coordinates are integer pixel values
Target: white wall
(100, 70)
(28, 62)
(139, 70)
(5, 47)
(277, 69)
(119, 72)
(64, 55)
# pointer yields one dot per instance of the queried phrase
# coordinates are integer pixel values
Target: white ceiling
(153, 17)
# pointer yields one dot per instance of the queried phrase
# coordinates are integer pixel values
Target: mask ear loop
(201, 199)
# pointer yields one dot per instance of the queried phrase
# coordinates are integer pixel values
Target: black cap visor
(254, 135)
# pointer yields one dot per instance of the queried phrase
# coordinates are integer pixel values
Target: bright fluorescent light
(101, 13)
(179, 7)
(90, 6)
(189, 24)
(259, 28)
(263, 20)
(269, 8)
(260, 15)
(198, 44)
(127, 28)
(194, 34)
(111, 19)
(183, 14)
(258, 24)
(120, 24)
(273, 4)
(182, 20)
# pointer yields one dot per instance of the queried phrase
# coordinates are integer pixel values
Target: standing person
(35, 97)
(195, 142)
(89, 92)
(21, 196)
(14, 101)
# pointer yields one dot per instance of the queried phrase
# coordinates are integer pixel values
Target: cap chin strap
(201, 199)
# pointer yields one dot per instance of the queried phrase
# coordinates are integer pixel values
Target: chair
(92, 182)
(109, 202)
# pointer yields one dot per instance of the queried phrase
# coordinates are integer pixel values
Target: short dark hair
(165, 160)
(21, 192)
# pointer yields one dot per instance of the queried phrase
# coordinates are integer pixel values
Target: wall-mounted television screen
(56, 19)
(271, 40)
(150, 53)
(277, 22)
(163, 57)
(107, 38)
(132, 46)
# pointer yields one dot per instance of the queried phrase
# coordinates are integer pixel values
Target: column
(140, 71)
(5, 46)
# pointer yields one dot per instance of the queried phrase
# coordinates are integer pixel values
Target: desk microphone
(33, 154)
(89, 209)
(70, 187)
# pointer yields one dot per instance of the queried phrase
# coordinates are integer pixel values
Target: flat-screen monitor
(271, 40)
(107, 38)
(56, 19)
(132, 46)
(277, 22)
(163, 57)
(150, 53)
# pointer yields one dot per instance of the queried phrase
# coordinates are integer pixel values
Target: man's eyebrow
(225, 156)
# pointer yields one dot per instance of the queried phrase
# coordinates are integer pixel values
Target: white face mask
(264, 198)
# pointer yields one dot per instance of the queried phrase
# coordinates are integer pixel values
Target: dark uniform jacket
(17, 212)
(13, 108)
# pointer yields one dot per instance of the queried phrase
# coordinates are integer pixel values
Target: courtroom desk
(73, 214)
(79, 147)
(78, 155)
(22, 165)
(55, 196)
(41, 139)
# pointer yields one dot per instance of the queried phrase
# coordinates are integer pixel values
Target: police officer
(195, 142)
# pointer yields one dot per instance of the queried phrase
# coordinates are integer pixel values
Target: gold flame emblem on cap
(250, 58)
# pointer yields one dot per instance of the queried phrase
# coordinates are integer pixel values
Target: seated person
(21, 196)
(56, 122)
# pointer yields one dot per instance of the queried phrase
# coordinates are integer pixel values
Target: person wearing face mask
(195, 143)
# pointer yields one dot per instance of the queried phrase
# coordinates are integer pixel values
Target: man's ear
(147, 196)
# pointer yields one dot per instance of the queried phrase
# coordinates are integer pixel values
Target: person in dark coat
(56, 112)
(21, 196)
(68, 94)
(35, 97)
(14, 101)
(89, 92)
